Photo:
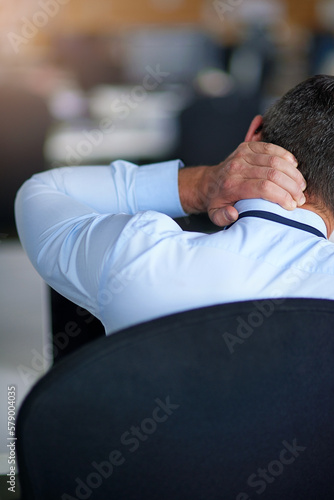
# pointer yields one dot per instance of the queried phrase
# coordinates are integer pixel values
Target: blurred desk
(73, 147)
(125, 122)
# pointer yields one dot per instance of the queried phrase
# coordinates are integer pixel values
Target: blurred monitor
(181, 52)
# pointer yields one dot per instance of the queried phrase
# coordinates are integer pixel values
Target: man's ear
(254, 131)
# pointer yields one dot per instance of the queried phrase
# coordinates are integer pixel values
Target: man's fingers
(254, 170)
(260, 154)
(223, 216)
(264, 148)
(270, 191)
(283, 178)
(273, 163)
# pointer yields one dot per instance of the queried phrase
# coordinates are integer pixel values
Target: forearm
(201, 186)
(67, 196)
(69, 220)
(121, 187)
(191, 183)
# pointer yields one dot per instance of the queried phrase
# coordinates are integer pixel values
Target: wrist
(192, 187)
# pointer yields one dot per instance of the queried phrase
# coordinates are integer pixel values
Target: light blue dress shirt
(104, 238)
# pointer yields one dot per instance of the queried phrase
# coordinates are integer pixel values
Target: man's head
(302, 122)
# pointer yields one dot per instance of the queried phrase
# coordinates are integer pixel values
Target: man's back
(255, 258)
(126, 269)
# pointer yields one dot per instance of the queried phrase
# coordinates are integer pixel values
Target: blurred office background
(87, 82)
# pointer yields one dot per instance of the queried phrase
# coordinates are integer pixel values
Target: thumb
(223, 216)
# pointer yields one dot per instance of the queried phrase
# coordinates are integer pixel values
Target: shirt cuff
(156, 187)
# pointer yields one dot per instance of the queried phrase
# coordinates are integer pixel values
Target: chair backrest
(227, 118)
(71, 325)
(232, 401)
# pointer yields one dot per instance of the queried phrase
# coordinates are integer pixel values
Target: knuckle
(235, 165)
(228, 185)
(243, 146)
(286, 199)
(274, 161)
(273, 175)
(265, 186)
(241, 150)
(266, 147)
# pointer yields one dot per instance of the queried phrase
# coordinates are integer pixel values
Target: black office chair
(232, 401)
(72, 326)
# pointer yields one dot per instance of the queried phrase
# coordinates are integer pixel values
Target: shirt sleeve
(70, 219)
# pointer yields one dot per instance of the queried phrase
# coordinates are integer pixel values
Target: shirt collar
(299, 214)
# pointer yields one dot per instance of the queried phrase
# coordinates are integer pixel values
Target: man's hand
(254, 170)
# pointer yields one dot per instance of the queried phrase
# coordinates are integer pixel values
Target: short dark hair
(302, 122)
